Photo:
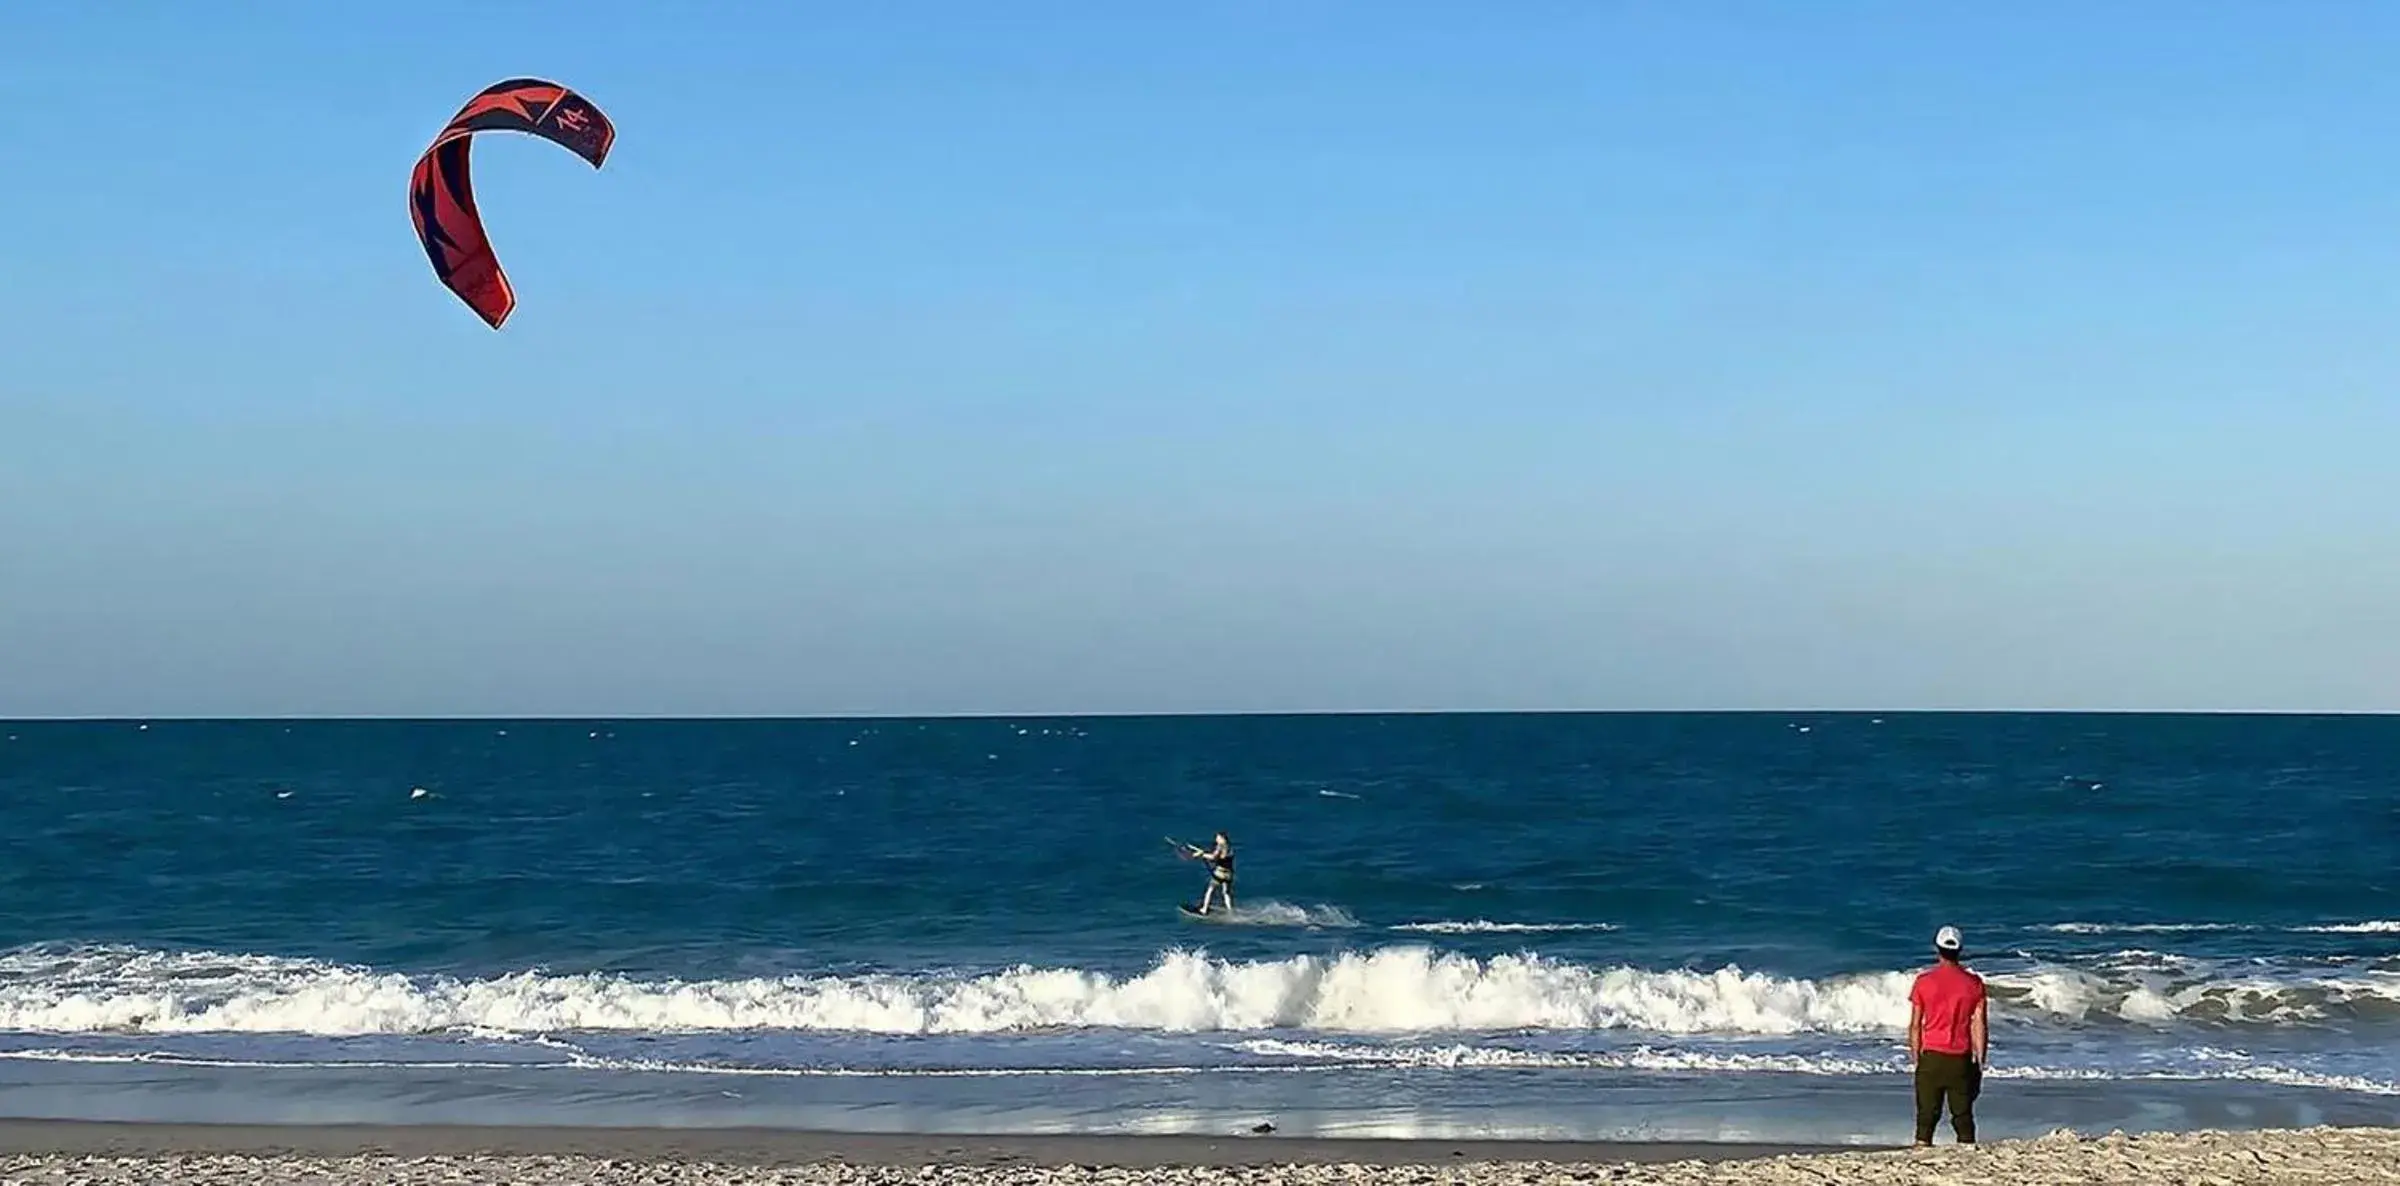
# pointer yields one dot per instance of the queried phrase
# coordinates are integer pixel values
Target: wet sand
(783, 1147)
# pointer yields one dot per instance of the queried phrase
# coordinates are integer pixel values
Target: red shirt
(1948, 994)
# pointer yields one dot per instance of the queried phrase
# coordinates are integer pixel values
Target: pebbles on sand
(2305, 1157)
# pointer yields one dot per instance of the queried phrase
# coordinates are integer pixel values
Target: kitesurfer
(1220, 871)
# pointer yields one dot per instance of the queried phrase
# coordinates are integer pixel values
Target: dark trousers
(1951, 1077)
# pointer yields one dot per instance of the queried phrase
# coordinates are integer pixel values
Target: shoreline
(769, 1147)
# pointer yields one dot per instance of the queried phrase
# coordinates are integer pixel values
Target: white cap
(1947, 939)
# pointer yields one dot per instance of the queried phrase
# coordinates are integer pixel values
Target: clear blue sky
(1250, 356)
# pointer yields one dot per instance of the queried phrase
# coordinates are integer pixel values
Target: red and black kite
(441, 194)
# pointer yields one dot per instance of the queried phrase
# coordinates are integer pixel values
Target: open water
(1668, 926)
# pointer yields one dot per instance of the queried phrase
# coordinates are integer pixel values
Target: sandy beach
(41, 1152)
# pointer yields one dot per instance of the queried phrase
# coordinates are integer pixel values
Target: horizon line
(1172, 714)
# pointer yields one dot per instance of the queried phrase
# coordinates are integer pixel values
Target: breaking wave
(1394, 990)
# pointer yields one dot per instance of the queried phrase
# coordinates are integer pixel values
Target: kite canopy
(441, 193)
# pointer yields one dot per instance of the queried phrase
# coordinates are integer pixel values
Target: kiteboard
(1193, 912)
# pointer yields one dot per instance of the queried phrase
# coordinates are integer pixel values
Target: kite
(441, 193)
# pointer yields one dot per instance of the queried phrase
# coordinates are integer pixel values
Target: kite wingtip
(496, 313)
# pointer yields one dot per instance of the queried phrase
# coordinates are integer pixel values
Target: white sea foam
(1391, 990)
(1479, 926)
(1639, 1059)
(2229, 1067)
(1271, 913)
(2369, 927)
(2141, 928)
(1307, 1057)
(1387, 991)
(582, 1062)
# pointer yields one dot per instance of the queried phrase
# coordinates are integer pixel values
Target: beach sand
(46, 1152)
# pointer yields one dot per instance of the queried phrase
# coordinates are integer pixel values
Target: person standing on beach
(1949, 1039)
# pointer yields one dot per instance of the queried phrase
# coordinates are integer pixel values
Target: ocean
(1669, 926)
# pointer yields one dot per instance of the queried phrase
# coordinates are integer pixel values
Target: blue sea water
(1602, 926)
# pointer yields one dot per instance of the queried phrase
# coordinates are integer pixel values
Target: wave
(1396, 990)
(1391, 990)
(2370, 927)
(1480, 926)
(583, 1062)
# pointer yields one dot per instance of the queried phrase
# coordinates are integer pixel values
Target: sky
(1252, 356)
